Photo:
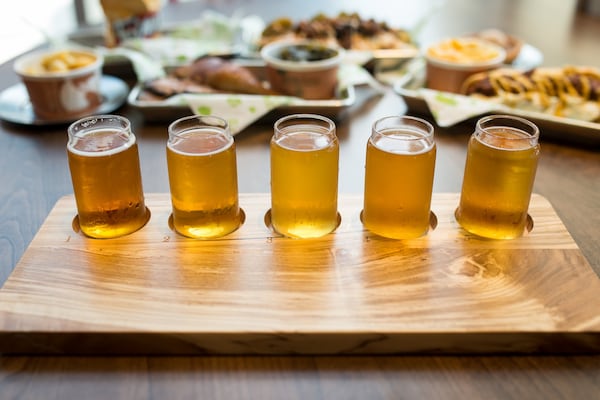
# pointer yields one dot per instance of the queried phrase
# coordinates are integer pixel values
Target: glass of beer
(399, 174)
(202, 168)
(107, 182)
(499, 173)
(304, 176)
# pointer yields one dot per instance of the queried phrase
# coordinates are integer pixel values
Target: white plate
(529, 57)
(16, 107)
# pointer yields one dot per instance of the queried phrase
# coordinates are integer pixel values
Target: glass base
(118, 232)
(269, 224)
(488, 233)
(433, 221)
(200, 231)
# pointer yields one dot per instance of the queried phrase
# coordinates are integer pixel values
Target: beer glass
(304, 176)
(399, 174)
(107, 182)
(202, 168)
(499, 173)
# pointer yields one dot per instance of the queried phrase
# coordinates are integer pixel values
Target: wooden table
(34, 175)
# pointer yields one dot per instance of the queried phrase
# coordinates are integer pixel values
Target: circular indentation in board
(528, 222)
(77, 227)
(528, 225)
(433, 221)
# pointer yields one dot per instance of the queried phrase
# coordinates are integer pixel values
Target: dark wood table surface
(34, 175)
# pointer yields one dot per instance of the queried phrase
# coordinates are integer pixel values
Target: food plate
(176, 106)
(351, 31)
(559, 128)
(15, 105)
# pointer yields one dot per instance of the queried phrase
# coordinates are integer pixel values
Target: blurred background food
(134, 35)
(510, 43)
(303, 68)
(205, 75)
(130, 19)
(348, 30)
(571, 91)
(62, 61)
(452, 60)
(61, 83)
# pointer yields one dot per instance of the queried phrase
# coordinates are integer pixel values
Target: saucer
(16, 107)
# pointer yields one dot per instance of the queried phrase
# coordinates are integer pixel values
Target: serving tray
(254, 292)
(568, 130)
(176, 106)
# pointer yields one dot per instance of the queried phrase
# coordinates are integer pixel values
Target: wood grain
(253, 292)
(34, 175)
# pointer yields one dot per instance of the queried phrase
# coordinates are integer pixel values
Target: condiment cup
(66, 90)
(452, 61)
(316, 79)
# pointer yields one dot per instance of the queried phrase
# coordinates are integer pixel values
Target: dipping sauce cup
(399, 174)
(201, 161)
(304, 176)
(305, 69)
(499, 174)
(107, 182)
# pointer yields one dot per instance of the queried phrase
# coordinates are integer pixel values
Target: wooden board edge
(157, 343)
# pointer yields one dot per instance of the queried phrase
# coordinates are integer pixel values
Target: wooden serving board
(253, 292)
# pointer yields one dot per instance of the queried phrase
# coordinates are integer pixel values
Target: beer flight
(400, 161)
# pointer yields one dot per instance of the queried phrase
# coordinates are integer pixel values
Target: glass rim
(89, 122)
(326, 123)
(425, 126)
(533, 133)
(204, 123)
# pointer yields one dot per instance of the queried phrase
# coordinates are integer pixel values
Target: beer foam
(100, 143)
(304, 138)
(190, 143)
(506, 139)
(402, 141)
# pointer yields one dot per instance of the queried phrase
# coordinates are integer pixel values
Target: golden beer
(304, 176)
(498, 179)
(399, 173)
(107, 182)
(203, 179)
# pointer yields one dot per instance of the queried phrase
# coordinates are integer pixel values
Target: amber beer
(399, 174)
(304, 176)
(499, 174)
(202, 167)
(105, 171)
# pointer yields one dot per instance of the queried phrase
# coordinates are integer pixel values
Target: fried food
(349, 31)
(62, 61)
(511, 44)
(225, 76)
(208, 75)
(571, 91)
(170, 85)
